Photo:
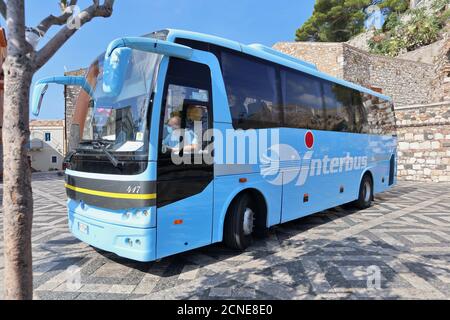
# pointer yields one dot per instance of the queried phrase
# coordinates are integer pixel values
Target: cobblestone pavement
(405, 236)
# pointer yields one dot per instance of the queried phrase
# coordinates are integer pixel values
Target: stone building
(47, 145)
(424, 142)
(441, 81)
(418, 82)
(71, 94)
(407, 82)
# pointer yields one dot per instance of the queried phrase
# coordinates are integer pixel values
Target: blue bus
(180, 140)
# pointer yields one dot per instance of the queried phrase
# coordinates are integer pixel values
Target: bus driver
(177, 138)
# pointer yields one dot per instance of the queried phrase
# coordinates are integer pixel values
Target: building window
(48, 137)
(54, 159)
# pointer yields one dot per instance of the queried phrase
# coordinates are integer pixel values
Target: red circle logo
(309, 140)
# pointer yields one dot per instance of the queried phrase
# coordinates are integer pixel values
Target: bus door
(184, 177)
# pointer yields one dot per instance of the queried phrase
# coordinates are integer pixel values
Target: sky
(246, 21)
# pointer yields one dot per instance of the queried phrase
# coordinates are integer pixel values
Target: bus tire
(239, 223)
(365, 196)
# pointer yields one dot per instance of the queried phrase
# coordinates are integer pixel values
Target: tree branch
(18, 47)
(52, 20)
(54, 44)
(3, 8)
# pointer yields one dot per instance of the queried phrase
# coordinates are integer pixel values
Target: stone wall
(360, 41)
(425, 54)
(328, 57)
(424, 142)
(441, 82)
(357, 67)
(70, 96)
(407, 82)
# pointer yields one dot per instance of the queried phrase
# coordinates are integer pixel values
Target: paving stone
(325, 256)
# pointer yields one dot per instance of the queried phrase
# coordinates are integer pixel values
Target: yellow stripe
(149, 196)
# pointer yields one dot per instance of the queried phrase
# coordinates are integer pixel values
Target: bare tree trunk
(21, 63)
(17, 194)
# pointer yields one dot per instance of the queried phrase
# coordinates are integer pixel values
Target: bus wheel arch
(370, 175)
(366, 186)
(247, 201)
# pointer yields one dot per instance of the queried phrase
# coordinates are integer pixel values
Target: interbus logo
(278, 163)
(285, 164)
(291, 165)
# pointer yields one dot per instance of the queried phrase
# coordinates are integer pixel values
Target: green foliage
(340, 20)
(394, 10)
(390, 45)
(439, 5)
(421, 29)
(395, 6)
(392, 21)
(334, 21)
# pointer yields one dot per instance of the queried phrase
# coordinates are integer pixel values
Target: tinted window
(190, 116)
(194, 44)
(186, 115)
(48, 137)
(360, 113)
(252, 92)
(303, 104)
(380, 115)
(189, 73)
(348, 110)
(338, 103)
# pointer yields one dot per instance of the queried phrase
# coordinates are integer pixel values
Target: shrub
(422, 28)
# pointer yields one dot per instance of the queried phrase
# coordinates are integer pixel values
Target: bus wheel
(240, 223)
(365, 193)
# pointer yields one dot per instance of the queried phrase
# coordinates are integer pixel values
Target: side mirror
(40, 89)
(114, 71)
(38, 95)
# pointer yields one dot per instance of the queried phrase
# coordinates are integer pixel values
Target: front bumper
(133, 243)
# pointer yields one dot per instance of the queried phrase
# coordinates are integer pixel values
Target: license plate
(83, 228)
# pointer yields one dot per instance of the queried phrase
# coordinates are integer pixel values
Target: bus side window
(186, 111)
(184, 121)
(382, 116)
(252, 91)
(338, 102)
(360, 113)
(303, 105)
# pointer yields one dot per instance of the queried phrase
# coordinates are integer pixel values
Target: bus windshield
(117, 121)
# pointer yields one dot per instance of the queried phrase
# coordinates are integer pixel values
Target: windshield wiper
(69, 156)
(102, 146)
(91, 142)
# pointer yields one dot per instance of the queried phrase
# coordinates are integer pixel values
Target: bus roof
(269, 54)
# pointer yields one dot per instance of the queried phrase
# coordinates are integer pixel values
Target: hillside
(420, 29)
